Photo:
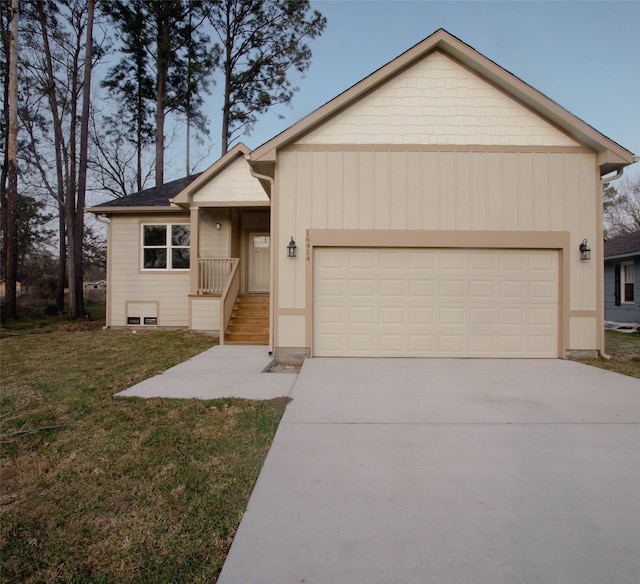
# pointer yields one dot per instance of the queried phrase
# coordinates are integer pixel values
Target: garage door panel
(429, 302)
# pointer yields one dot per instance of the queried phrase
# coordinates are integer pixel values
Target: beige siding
(129, 284)
(438, 101)
(214, 243)
(234, 183)
(438, 190)
(205, 313)
(433, 190)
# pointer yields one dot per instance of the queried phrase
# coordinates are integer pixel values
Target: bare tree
(60, 64)
(622, 207)
(10, 200)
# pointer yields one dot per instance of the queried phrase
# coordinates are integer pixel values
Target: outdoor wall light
(585, 250)
(292, 250)
(218, 226)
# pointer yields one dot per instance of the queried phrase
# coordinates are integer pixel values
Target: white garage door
(435, 302)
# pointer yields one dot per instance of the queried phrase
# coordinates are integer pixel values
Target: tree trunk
(11, 234)
(163, 45)
(58, 139)
(62, 259)
(77, 309)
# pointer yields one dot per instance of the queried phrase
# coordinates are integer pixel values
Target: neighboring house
(436, 208)
(95, 290)
(621, 270)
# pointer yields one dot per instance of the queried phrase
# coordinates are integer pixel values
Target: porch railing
(228, 300)
(214, 274)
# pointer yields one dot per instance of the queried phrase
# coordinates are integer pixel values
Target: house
(95, 290)
(435, 208)
(621, 264)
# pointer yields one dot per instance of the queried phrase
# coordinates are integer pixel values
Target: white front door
(259, 251)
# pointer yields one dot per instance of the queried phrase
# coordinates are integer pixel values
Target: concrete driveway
(448, 471)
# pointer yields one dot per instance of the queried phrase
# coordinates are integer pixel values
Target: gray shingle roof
(623, 245)
(153, 197)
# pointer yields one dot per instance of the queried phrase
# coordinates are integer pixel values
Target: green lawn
(624, 349)
(101, 489)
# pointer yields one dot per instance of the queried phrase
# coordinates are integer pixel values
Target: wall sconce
(218, 226)
(585, 251)
(292, 250)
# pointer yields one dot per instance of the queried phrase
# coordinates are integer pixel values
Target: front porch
(230, 269)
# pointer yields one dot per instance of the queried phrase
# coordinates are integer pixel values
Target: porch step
(249, 323)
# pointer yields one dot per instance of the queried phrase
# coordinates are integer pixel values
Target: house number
(308, 247)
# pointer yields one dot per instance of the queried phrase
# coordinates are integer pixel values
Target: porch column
(194, 250)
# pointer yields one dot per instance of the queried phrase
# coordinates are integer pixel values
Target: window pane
(628, 292)
(261, 241)
(155, 235)
(180, 235)
(180, 258)
(155, 258)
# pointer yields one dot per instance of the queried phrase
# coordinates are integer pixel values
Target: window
(165, 247)
(627, 278)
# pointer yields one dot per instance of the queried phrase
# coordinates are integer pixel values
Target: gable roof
(611, 156)
(184, 196)
(149, 199)
(623, 245)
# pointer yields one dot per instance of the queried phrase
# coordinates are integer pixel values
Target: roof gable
(611, 155)
(438, 101)
(226, 182)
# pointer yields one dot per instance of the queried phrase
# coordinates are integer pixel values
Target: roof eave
(629, 254)
(132, 209)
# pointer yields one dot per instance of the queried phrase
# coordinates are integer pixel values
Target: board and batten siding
(129, 284)
(438, 190)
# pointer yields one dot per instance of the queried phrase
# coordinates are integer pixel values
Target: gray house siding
(624, 312)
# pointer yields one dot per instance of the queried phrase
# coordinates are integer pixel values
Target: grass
(101, 489)
(624, 349)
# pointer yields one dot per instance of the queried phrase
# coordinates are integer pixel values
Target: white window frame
(168, 246)
(627, 276)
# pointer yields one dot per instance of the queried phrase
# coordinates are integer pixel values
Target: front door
(259, 250)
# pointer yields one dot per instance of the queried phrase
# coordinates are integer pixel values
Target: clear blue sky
(585, 55)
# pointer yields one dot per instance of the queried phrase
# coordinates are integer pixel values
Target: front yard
(624, 349)
(97, 489)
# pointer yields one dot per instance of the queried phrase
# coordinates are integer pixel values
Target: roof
(623, 245)
(611, 156)
(154, 197)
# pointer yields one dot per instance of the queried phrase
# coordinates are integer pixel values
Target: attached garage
(416, 302)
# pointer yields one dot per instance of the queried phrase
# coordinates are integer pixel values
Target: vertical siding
(438, 190)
